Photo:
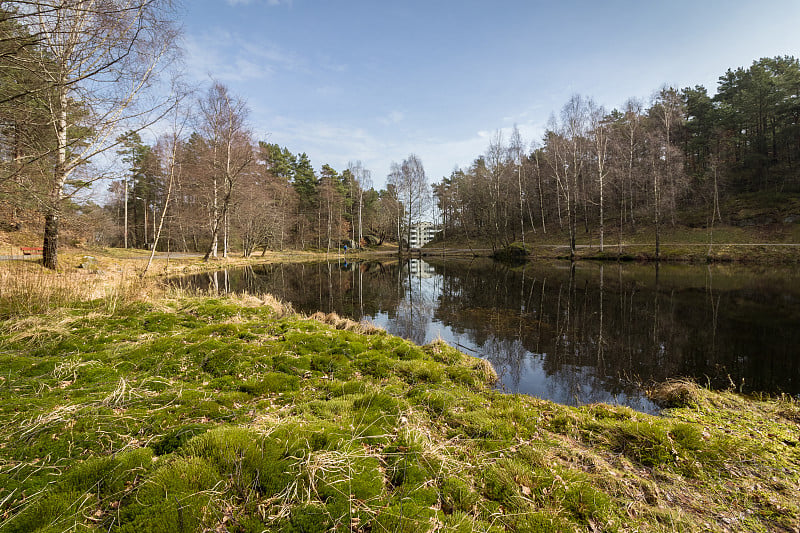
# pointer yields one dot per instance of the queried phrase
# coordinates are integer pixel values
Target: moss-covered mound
(226, 415)
(516, 251)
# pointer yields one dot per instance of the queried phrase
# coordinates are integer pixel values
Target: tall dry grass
(26, 288)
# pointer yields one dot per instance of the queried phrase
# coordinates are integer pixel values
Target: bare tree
(95, 61)
(632, 134)
(168, 149)
(231, 154)
(495, 159)
(363, 180)
(565, 154)
(516, 148)
(600, 140)
(669, 110)
(665, 158)
(411, 184)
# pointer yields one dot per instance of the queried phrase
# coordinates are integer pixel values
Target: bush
(516, 251)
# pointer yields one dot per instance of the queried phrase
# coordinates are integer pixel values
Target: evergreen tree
(305, 180)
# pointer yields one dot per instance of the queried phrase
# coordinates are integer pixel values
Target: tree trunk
(360, 227)
(50, 245)
(157, 231)
(657, 215)
(212, 248)
(521, 206)
(125, 238)
(225, 234)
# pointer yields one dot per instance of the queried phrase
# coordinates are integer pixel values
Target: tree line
(598, 171)
(231, 190)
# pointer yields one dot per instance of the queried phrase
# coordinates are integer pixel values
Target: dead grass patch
(675, 394)
(339, 322)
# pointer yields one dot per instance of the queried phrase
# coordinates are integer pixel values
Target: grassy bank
(136, 411)
(750, 244)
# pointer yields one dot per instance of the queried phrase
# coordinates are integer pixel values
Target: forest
(80, 94)
(675, 160)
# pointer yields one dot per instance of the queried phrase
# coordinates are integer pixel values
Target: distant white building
(422, 233)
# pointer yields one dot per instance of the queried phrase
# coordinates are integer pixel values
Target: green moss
(355, 387)
(47, 513)
(308, 519)
(464, 376)
(406, 516)
(457, 495)
(176, 438)
(351, 475)
(479, 424)
(291, 365)
(409, 467)
(286, 424)
(252, 461)
(415, 371)
(271, 382)
(335, 364)
(540, 522)
(377, 400)
(441, 352)
(176, 498)
(502, 484)
(94, 483)
(439, 401)
(373, 363)
(585, 503)
(646, 443)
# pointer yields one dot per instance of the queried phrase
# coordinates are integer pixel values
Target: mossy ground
(224, 414)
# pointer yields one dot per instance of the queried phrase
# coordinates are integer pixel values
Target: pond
(574, 334)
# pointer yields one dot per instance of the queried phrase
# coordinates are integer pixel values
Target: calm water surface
(573, 335)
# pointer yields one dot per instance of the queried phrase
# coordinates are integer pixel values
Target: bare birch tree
(516, 148)
(224, 125)
(413, 192)
(95, 61)
(600, 139)
(363, 180)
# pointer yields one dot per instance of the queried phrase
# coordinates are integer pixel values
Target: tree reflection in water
(570, 333)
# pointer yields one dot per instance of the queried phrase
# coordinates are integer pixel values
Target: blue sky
(376, 80)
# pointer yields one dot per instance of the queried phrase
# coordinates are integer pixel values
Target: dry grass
(28, 289)
(339, 322)
(675, 393)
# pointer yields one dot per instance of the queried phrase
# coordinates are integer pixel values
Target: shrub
(514, 252)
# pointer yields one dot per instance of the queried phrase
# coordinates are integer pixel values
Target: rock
(89, 263)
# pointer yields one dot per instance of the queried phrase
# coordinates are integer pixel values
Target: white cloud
(210, 53)
(392, 118)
